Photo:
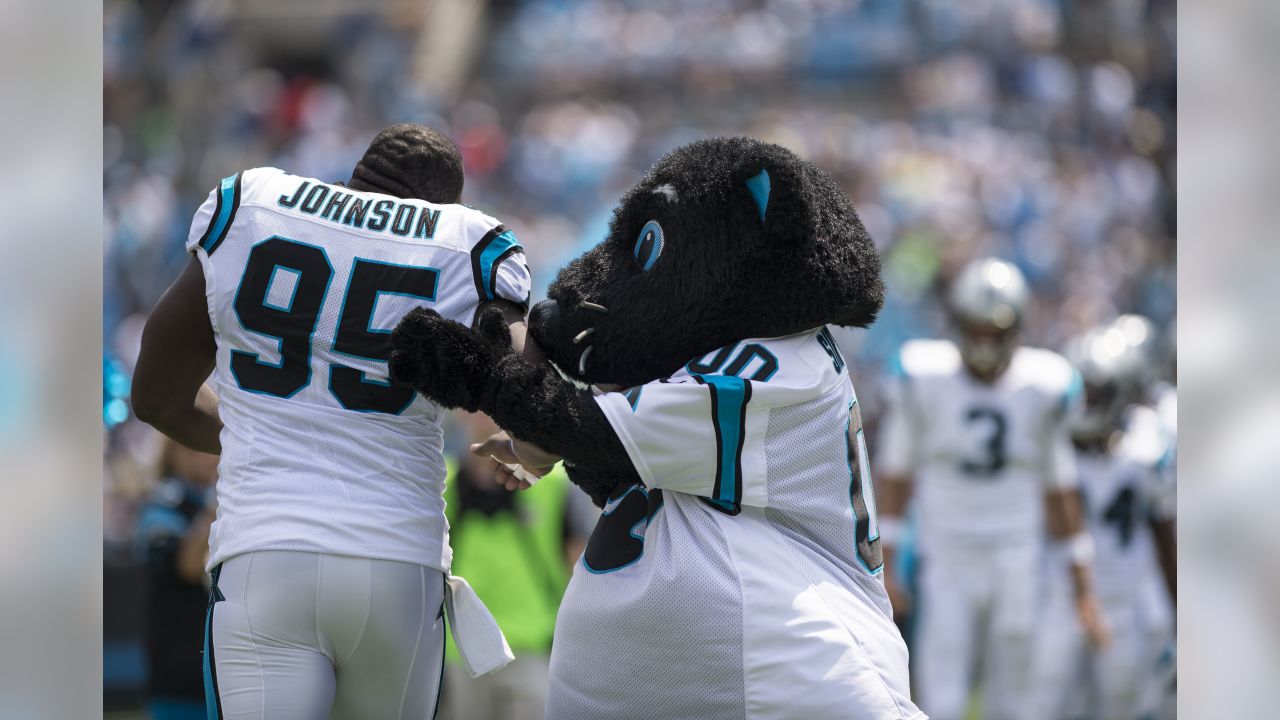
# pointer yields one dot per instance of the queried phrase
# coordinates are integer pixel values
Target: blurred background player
(1129, 514)
(330, 553)
(979, 432)
(173, 543)
(516, 549)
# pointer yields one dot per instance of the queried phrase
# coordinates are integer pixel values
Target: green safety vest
(514, 559)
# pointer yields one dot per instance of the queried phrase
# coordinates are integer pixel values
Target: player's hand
(1093, 621)
(515, 465)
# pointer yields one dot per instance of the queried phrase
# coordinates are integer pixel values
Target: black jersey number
(356, 338)
(618, 538)
(1122, 514)
(293, 323)
(991, 454)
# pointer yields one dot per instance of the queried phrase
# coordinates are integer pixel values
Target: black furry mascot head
(723, 239)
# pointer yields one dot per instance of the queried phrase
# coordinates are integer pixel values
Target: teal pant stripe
(212, 704)
(210, 693)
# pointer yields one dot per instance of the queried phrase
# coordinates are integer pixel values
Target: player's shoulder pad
(782, 370)
(1050, 373)
(926, 358)
(231, 192)
(257, 184)
(491, 243)
(1145, 440)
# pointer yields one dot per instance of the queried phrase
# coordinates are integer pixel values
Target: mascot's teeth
(582, 360)
(592, 306)
(583, 335)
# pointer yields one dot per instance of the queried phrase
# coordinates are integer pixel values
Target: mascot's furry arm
(478, 370)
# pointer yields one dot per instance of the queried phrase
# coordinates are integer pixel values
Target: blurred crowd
(1041, 131)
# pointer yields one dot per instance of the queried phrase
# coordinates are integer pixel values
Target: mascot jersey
(321, 452)
(751, 543)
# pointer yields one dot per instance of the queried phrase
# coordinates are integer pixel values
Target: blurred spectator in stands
(517, 550)
(173, 543)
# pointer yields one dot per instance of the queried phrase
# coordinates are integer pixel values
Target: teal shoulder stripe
(729, 398)
(498, 250)
(228, 203)
(1074, 388)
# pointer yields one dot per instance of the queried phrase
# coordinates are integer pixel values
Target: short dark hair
(411, 161)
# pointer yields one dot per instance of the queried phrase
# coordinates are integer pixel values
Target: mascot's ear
(779, 194)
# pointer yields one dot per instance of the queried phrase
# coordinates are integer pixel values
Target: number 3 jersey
(980, 456)
(741, 579)
(305, 281)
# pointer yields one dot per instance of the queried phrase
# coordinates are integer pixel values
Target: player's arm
(1064, 515)
(177, 355)
(501, 449)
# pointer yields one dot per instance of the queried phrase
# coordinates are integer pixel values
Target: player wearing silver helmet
(978, 435)
(1129, 515)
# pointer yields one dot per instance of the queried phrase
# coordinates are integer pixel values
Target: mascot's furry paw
(446, 361)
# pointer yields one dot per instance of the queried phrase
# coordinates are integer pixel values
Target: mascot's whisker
(577, 339)
(582, 360)
(584, 305)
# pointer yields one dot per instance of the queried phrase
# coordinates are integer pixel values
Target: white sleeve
(699, 435)
(896, 451)
(1060, 456)
(499, 267)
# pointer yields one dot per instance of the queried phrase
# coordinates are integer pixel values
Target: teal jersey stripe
(495, 252)
(1074, 389)
(729, 401)
(226, 210)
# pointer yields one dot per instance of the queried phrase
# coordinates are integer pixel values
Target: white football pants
(976, 617)
(305, 636)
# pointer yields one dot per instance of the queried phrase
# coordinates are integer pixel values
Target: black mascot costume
(734, 572)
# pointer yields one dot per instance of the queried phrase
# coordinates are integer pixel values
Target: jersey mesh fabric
(303, 472)
(809, 491)
(673, 620)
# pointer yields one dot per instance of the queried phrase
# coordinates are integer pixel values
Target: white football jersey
(305, 281)
(1121, 490)
(742, 578)
(980, 455)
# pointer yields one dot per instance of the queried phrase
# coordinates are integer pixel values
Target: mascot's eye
(648, 245)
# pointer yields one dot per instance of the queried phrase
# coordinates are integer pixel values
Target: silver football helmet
(1111, 368)
(1141, 335)
(988, 301)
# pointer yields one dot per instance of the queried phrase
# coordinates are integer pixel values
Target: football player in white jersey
(980, 434)
(330, 552)
(1129, 514)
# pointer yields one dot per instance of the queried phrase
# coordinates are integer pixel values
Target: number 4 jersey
(741, 579)
(305, 281)
(981, 456)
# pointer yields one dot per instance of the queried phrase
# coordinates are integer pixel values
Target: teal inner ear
(759, 187)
